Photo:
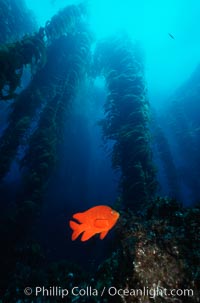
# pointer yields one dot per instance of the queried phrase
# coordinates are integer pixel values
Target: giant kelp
(156, 247)
(41, 156)
(127, 117)
(183, 125)
(164, 153)
(15, 20)
(32, 49)
(64, 21)
(36, 122)
(187, 143)
(24, 108)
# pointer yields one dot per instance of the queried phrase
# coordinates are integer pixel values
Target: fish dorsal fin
(79, 217)
(87, 235)
(101, 223)
(103, 234)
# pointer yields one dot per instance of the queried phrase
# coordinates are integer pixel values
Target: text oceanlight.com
(57, 291)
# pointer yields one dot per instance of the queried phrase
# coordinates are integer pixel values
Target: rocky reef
(155, 258)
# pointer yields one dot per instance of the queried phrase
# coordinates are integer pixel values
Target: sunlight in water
(166, 29)
(142, 18)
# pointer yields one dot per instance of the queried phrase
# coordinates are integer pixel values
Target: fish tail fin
(77, 229)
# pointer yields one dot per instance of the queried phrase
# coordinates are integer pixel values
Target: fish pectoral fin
(103, 234)
(87, 235)
(101, 223)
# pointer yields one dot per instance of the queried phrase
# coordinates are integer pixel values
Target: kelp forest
(156, 242)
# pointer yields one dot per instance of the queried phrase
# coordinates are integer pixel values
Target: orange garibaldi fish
(96, 220)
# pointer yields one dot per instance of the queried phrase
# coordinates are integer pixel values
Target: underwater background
(99, 105)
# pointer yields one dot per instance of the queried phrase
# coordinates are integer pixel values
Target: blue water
(168, 62)
(168, 35)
